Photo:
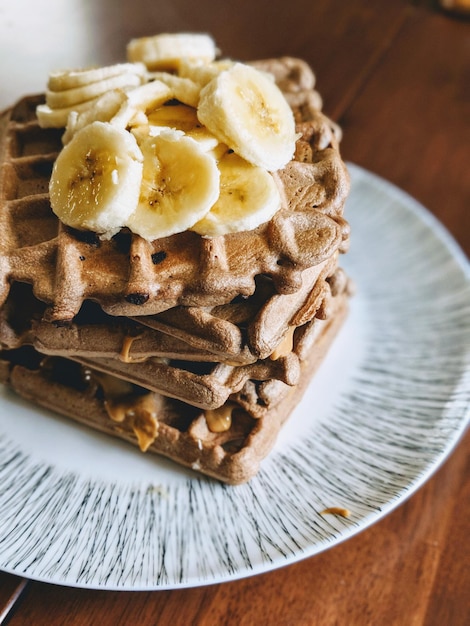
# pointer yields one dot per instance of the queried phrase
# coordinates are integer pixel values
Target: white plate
(386, 407)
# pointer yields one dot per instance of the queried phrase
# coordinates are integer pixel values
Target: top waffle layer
(130, 276)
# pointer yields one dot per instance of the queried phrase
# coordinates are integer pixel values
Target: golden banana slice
(183, 89)
(77, 95)
(140, 100)
(182, 117)
(248, 197)
(180, 183)
(58, 118)
(96, 179)
(103, 109)
(70, 79)
(164, 51)
(202, 73)
(245, 109)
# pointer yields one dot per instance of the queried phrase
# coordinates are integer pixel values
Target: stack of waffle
(194, 348)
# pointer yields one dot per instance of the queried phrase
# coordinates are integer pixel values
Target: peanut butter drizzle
(123, 405)
(219, 420)
(112, 386)
(336, 510)
(285, 346)
(124, 355)
(140, 414)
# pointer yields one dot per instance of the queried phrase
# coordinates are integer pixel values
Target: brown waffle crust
(238, 333)
(160, 362)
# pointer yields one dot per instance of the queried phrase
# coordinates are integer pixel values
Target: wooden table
(396, 76)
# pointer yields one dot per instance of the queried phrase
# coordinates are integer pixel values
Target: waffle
(251, 328)
(129, 276)
(182, 432)
(158, 361)
(238, 333)
(194, 348)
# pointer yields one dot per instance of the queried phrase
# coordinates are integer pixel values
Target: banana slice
(70, 79)
(200, 72)
(57, 118)
(95, 182)
(245, 109)
(139, 100)
(77, 95)
(180, 184)
(181, 117)
(121, 108)
(103, 109)
(55, 112)
(164, 51)
(183, 89)
(178, 116)
(248, 197)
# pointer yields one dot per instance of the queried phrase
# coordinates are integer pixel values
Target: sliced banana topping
(200, 72)
(247, 111)
(96, 179)
(77, 95)
(165, 51)
(184, 90)
(58, 118)
(103, 110)
(182, 117)
(80, 90)
(175, 139)
(248, 197)
(70, 79)
(140, 100)
(180, 184)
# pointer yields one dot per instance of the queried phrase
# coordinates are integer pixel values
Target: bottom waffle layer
(160, 424)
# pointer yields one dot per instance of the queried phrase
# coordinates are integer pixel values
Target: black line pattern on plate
(406, 404)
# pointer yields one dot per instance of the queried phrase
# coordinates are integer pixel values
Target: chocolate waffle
(228, 444)
(159, 361)
(238, 333)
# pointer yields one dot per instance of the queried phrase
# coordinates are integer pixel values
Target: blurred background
(36, 37)
(376, 63)
(44, 35)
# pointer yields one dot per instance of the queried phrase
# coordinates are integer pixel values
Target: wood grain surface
(396, 76)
